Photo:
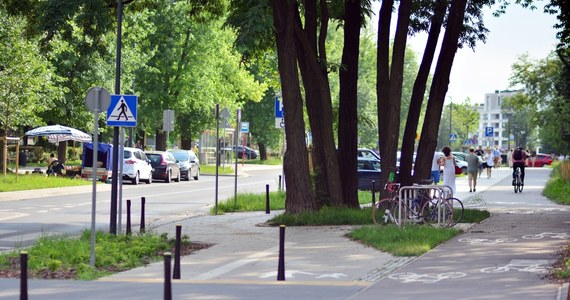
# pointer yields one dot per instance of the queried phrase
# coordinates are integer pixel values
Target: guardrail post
(167, 281)
(281, 264)
(129, 217)
(373, 192)
(24, 275)
(143, 201)
(267, 209)
(176, 272)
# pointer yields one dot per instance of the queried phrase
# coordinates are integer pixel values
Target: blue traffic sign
(489, 131)
(278, 108)
(122, 111)
(244, 127)
(453, 137)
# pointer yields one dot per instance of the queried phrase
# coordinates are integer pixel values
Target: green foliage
(326, 216)
(557, 188)
(28, 82)
(10, 183)
(412, 240)
(251, 202)
(114, 253)
(464, 123)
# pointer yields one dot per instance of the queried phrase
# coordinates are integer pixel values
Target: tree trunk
(185, 143)
(348, 116)
(318, 101)
(418, 92)
(160, 140)
(390, 92)
(428, 140)
(262, 151)
(299, 197)
(62, 152)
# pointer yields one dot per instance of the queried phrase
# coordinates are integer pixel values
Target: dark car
(165, 166)
(368, 169)
(541, 160)
(188, 162)
(249, 153)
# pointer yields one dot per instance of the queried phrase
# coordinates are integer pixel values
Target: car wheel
(149, 181)
(177, 177)
(168, 177)
(187, 178)
(197, 174)
(135, 180)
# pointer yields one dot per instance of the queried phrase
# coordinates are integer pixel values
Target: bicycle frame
(440, 193)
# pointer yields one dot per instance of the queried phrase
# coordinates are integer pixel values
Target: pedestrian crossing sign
(122, 111)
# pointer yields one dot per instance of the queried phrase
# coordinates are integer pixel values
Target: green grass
(412, 240)
(326, 216)
(251, 202)
(211, 170)
(270, 161)
(557, 188)
(113, 253)
(10, 183)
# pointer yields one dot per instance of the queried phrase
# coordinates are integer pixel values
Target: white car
(136, 166)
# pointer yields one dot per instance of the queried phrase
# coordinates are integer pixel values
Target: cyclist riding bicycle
(519, 157)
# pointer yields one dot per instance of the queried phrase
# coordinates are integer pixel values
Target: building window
(496, 116)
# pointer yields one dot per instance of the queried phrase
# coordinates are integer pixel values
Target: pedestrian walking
(510, 158)
(472, 169)
(448, 168)
(480, 153)
(435, 164)
(496, 157)
(488, 162)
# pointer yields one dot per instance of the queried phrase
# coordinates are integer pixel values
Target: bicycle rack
(408, 193)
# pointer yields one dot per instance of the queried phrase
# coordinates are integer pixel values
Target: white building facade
(493, 123)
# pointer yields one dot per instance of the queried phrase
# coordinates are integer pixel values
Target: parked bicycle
(518, 185)
(423, 208)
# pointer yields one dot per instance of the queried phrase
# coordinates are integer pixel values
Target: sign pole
(236, 141)
(94, 170)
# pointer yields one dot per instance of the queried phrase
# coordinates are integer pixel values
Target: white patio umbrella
(59, 133)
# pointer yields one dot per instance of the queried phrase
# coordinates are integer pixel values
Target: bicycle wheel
(386, 211)
(436, 212)
(458, 210)
(519, 184)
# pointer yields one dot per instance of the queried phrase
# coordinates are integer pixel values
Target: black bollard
(279, 182)
(167, 281)
(129, 217)
(176, 272)
(267, 209)
(373, 192)
(23, 275)
(281, 265)
(143, 200)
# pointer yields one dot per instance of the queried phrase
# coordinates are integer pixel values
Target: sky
(488, 67)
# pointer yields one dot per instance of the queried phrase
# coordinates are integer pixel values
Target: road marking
(4, 217)
(288, 274)
(521, 265)
(425, 278)
(236, 264)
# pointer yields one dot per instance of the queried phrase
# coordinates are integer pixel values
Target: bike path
(508, 256)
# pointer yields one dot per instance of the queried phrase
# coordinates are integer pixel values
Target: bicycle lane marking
(522, 265)
(410, 277)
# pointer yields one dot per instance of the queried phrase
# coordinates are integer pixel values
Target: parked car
(165, 166)
(136, 166)
(462, 164)
(368, 169)
(249, 153)
(460, 155)
(367, 153)
(541, 160)
(188, 163)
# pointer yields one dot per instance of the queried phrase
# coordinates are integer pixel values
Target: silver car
(188, 162)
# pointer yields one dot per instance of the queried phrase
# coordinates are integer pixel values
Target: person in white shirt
(435, 164)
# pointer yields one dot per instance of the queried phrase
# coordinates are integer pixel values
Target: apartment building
(493, 122)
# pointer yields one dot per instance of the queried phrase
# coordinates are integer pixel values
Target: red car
(541, 160)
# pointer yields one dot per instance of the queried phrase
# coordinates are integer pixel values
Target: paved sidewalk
(505, 257)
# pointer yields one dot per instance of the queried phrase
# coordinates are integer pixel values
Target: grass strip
(412, 240)
(10, 183)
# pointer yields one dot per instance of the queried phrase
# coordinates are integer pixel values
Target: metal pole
(217, 151)
(121, 159)
(24, 275)
(177, 246)
(94, 170)
(236, 140)
(114, 180)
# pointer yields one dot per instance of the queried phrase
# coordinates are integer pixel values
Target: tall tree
(295, 164)
(428, 140)
(347, 127)
(390, 79)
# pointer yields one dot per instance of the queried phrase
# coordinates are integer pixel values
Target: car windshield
(155, 158)
(127, 154)
(180, 155)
